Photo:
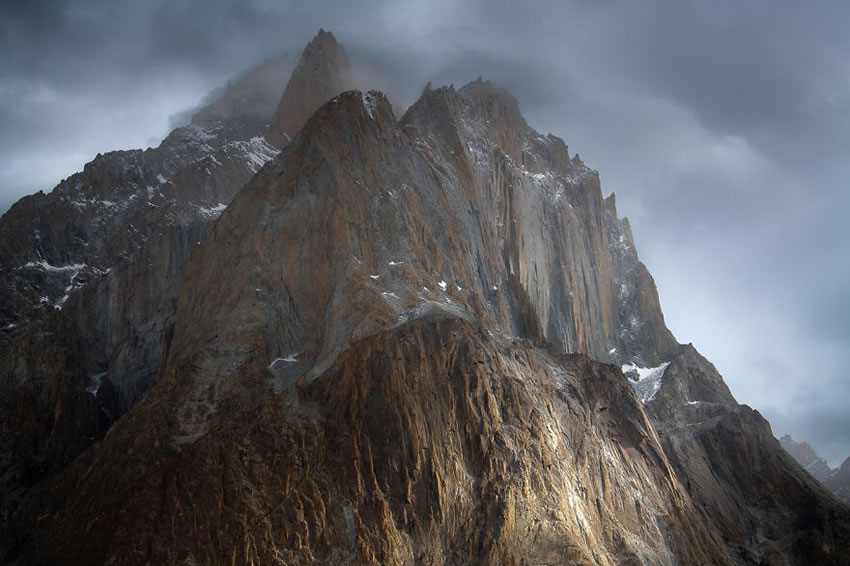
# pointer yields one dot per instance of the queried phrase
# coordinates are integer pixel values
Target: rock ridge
(389, 347)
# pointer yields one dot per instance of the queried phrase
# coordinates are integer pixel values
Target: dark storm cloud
(723, 127)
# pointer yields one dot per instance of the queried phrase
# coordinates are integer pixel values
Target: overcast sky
(723, 127)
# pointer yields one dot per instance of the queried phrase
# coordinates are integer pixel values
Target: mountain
(323, 71)
(420, 339)
(806, 456)
(839, 482)
(836, 480)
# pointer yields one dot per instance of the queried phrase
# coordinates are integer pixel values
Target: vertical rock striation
(390, 348)
(323, 71)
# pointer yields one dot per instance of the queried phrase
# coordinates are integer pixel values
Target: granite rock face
(90, 274)
(763, 505)
(425, 339)
(323, 71)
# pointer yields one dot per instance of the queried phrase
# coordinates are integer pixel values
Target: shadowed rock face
(764, 506)
(90, 273)
(835, 480)
(323, 71)
(388, 350)
(806, 456)
(89, 276)
(839, 482)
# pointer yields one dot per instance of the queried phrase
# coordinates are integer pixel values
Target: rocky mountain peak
(499, 110)
(836, 480)
(323, 71)
(419, 341)
(808, 458)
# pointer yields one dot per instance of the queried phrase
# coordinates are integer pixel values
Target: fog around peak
(724, 129)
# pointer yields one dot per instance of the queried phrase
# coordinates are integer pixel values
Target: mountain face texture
(90, 275)
(836, 480)
(323, 71)
(415, 340)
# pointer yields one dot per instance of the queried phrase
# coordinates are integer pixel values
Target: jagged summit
(417, 341)
(252, 98)
(836, 480)
(323, 71)
(808, 458)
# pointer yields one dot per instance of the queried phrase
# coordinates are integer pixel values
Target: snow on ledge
(291, 358)
(645, 381)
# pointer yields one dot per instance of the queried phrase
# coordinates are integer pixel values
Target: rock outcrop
(393, 347)
(432, 442)
(90, 274)
(323, 71)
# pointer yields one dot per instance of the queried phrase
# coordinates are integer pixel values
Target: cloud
(723, 127)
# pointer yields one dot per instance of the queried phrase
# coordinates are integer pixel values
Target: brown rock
(323, 71)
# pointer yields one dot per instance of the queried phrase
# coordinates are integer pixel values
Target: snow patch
(442, 285)
(369, 104)
(95, 380)
(645, 381)
(427, 307)
(257, 151)
(213, 211)
(72, 269)
(291, 358)
(75, 267)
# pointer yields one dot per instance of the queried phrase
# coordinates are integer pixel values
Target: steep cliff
(839, 482)
(90, 274)
(392, 347)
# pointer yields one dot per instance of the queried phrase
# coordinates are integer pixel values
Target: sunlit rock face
(424, 339)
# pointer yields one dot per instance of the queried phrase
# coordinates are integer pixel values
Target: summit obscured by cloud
(723, 127)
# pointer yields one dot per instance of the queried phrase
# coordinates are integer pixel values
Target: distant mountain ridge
(357, 338)
(837, 480)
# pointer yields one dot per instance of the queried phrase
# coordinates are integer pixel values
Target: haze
(723, 128)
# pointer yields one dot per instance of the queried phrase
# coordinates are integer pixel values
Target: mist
(723, 128)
